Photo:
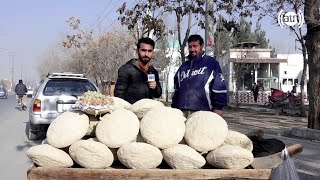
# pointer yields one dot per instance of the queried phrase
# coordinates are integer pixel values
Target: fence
(247, 97)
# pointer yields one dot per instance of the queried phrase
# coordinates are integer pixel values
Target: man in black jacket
(21, 91)
(138, 79)
(255, 91)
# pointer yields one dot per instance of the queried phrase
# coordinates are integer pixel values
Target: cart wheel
(268, 105)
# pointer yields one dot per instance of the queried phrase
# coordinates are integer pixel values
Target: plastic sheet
(286, 170)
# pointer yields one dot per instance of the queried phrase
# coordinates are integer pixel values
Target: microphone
(151, 76)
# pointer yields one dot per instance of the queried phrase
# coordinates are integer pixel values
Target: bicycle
(20, 103)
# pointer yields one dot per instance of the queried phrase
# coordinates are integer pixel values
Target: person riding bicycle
(21, 91)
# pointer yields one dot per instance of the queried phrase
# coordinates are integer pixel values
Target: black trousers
(255, 97)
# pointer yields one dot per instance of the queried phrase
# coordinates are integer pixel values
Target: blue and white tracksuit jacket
(199, 85)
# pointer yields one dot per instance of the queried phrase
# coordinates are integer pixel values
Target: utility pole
(12, 73)
(209, 37)
(21, 72)
(25, 77)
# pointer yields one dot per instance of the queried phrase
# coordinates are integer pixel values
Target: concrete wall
(247, 97)
(250, 53)
(291, 70)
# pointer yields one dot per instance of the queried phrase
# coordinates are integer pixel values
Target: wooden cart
(38, 173)
(118, 172)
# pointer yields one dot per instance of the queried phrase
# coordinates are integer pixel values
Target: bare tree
(53, 60)
(164, 60)
(143, 19)
(82, 47)
(171, 63)
(183, 10)
(114, 49)
(5, 83)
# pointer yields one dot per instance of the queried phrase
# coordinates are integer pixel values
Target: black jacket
(21, 89)
(132, 83)
(255, 89)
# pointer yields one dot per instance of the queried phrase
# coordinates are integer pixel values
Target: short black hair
(195, 37)
(145, 40)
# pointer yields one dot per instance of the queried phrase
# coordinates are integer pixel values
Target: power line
(100, 14)
(104, 10)
(110, 25)
(109, 12)
(116, 19)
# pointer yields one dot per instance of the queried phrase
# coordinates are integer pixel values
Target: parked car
(57, 93)
(3, 93)
(30, 93)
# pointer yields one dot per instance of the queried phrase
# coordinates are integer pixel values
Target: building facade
(245, 65)
(291, 72)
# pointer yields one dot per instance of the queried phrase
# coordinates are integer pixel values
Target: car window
(77, 87)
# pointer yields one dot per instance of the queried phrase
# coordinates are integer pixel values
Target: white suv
(54, 96)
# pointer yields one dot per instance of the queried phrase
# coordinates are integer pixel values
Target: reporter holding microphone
(138, 79)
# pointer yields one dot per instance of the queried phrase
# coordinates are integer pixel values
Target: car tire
(31, 136)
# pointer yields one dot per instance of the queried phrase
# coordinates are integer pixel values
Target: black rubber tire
(31, 136)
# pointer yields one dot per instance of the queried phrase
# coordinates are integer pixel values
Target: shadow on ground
(27, 144)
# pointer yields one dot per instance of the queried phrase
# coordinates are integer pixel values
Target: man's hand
(219, 112)
(152, 84)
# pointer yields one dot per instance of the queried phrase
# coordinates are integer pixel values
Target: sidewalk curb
(307, 133)
(300, 132)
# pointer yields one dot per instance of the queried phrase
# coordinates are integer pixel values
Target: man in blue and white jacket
(199, 83)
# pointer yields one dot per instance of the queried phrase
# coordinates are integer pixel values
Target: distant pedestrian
(294, 89)
(260, 85)
(255, 91)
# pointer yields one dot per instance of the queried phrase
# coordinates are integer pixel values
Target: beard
(144, 59)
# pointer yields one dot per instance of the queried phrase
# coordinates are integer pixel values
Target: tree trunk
(303, 78)
(237, 73)
(167, 88)
(312, 17)
(96, 80)
(183, 43)
(237, 95)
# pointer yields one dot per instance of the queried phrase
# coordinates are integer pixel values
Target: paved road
(14, 162)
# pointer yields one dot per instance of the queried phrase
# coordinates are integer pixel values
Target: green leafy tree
(226, 38)
(244, 33)
(222, 38)
(260, 36)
